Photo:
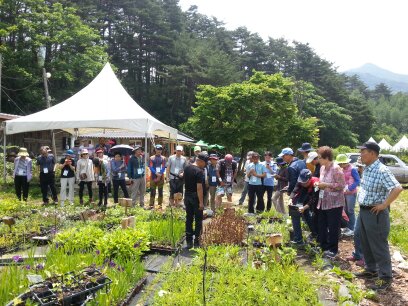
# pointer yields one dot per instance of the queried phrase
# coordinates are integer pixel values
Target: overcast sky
(348, 33)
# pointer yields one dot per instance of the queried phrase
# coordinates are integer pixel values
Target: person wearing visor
(157, 166)
(350, 191)
(304, 204)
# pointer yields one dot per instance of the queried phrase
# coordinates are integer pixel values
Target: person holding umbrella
(118, 173)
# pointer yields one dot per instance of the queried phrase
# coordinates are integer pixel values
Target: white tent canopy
(372, 140)
(401, 145)
(384, 145)
(102, 106)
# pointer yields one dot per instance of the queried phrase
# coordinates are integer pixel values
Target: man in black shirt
(194, 199)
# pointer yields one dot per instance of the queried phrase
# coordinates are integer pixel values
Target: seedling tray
(73, 288)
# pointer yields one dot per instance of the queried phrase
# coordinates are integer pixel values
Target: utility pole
(1, 65)
(48, 101)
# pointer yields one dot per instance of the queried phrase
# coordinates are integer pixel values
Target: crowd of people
(322, 191)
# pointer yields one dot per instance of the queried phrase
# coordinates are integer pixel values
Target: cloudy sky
(348, 33)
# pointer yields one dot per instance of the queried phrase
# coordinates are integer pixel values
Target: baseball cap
(280, 161)
(213, 156)
(179, 148)
(304, 176)
(158, 147)
(311, 156)
(369, 145)
(203, 157)
(84, 151)
(286, 151)
(69, 152)
(197, 148)
(228, 158)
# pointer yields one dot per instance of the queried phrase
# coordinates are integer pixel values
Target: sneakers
(381, 284)
(189, 245)
(358, 262)
(366, 274)
(348, 232)
(329, 254)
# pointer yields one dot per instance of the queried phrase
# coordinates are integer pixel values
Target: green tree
(333, 121)
(253, 114)
(70, 50)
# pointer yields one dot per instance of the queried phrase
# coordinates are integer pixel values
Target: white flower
(162, 292)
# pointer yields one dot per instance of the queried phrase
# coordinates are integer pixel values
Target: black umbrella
(122, 149)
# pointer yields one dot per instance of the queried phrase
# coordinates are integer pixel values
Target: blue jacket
(294, 169)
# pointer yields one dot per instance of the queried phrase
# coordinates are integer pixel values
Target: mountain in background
(373, 75)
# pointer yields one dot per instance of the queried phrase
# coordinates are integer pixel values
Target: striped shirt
(377, 183)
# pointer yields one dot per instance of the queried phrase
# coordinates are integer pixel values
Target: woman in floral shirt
(331, 201)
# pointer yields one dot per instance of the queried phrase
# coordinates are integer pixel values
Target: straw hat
(23, 152)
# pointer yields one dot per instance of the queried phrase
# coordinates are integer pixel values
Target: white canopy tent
(102, 106)
(372, 140)
(401, 145)
(384, 145)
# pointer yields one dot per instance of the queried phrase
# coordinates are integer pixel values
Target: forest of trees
(163, 54)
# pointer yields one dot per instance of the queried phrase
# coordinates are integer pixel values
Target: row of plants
(231, 280)
(123, 272)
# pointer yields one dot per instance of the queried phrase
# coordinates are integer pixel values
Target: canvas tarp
(102, 106)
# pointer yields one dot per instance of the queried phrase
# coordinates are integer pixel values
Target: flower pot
(125, 202)
(274, 240)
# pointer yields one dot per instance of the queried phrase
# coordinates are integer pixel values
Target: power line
(10, 99)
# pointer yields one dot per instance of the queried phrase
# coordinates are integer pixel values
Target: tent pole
(145, 157)
(4, 153)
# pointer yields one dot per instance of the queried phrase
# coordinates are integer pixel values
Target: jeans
(257, 190)
(329, 229)
(116, 184)
(297, 228)
(350, 205)
(20, 183)
(358, 252)
(193, 213)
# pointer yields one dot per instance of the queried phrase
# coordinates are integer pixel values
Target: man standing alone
(194, 199)
(379, 189)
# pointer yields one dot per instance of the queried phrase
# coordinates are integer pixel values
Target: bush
(83, 238)
(127, 243)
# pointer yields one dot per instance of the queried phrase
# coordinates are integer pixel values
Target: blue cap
(69, 152)
(304, 176)
(286, 151)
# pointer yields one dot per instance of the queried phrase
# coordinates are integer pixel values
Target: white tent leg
(4, 154)
(145, 157)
